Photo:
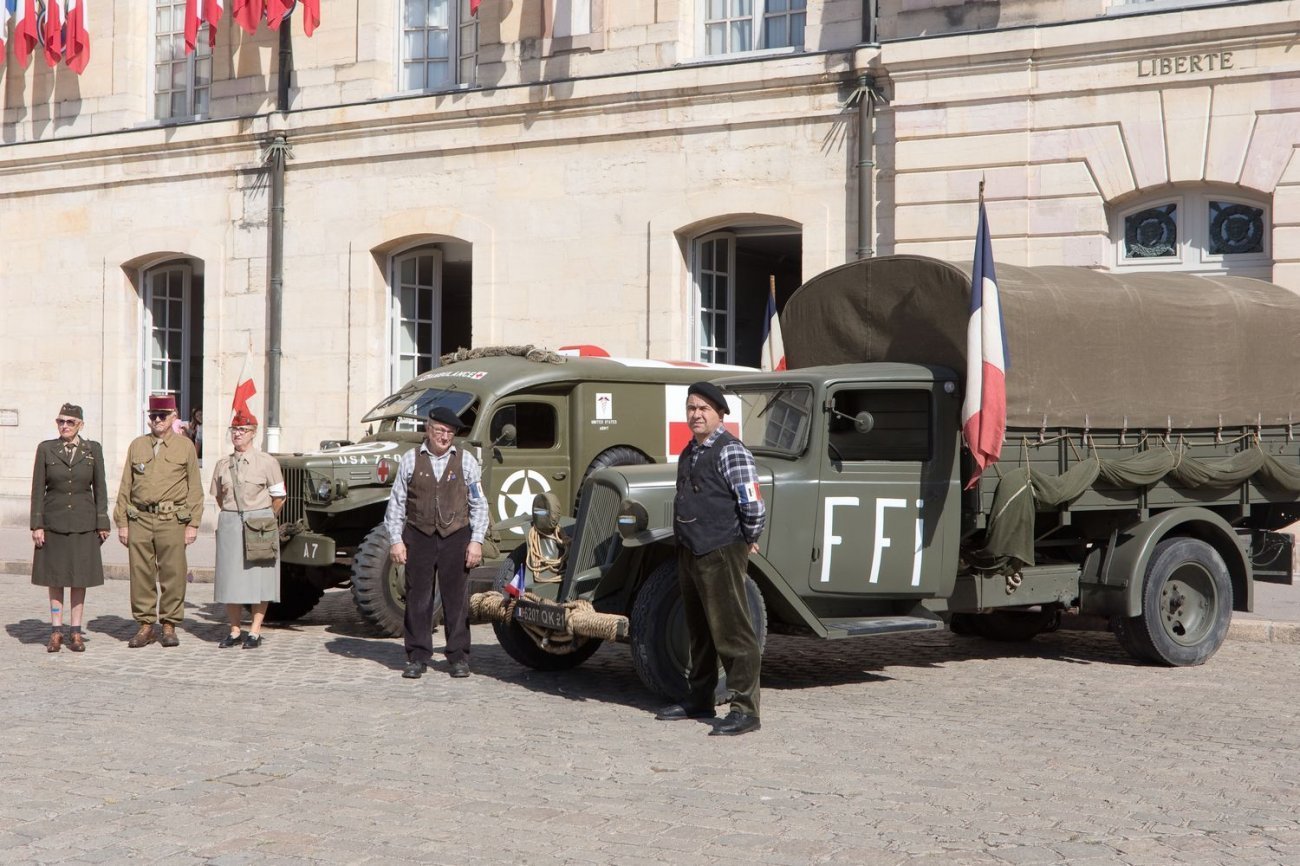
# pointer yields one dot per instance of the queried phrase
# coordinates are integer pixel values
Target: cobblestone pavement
(937, 749)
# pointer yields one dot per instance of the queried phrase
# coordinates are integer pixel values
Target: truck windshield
(407, 409)
(775, 419)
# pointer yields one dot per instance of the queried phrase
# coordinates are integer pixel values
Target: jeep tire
(379, 586)
(520, 646)
(299, 593)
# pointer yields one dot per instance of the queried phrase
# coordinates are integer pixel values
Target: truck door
(529, 459)
(878, 501)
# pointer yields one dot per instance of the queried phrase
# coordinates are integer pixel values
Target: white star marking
(520, 488)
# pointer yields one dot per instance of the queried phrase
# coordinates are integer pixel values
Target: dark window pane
(1152, 233)
(1235, 229)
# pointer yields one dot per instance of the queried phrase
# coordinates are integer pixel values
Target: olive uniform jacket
(69, 495)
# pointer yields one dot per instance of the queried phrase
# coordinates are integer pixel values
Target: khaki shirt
(171, 475)
(259, 475)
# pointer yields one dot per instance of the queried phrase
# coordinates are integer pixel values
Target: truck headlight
(632, 518)
(324, 489)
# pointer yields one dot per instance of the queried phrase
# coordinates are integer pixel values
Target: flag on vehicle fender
(517, 584)
(984, 410)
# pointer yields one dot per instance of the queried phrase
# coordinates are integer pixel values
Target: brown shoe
(143, 637)
(168, 636)
(76, 642)
(56, 642)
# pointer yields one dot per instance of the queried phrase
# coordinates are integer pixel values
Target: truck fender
(1124, 568)
(782, 603)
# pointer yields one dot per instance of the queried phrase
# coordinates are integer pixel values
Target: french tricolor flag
(517, 584)
(984, 412)
(748, 493)
(773, 357)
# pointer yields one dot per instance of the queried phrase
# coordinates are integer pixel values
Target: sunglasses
(66, 422)
(158, 416)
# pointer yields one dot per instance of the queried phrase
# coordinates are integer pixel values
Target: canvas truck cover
(1086, 348)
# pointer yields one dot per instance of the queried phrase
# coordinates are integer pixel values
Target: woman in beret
(69, 522)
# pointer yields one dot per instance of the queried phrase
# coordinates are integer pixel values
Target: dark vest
(704, 510)
(438, 505)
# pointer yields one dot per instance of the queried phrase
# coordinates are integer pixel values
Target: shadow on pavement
(381, 652)
(29, 631)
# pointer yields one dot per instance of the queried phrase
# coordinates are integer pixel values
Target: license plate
(544, 615)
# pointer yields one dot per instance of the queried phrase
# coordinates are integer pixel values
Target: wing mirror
(863, 422)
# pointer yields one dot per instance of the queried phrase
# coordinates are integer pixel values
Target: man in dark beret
(436, 519)
(718, 518)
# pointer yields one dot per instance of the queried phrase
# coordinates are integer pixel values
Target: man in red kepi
(159, 505)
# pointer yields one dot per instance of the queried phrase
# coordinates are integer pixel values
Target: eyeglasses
(158, 416)
(67, 422)
(241, 430)
(442, 431)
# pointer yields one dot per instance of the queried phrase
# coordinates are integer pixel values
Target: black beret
(710, 392)
(445, 416)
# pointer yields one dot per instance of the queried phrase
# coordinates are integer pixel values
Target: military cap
(243, 418)
(71, 410)
(711, 393)
(446, 417)
(162, 403)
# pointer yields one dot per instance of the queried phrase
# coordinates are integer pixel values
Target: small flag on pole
(773, 346)
(517, 584)
(473, 7)
(76, 46)
(244, 389)
(984, 410)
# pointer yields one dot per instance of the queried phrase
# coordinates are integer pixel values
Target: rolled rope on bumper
(580, 618)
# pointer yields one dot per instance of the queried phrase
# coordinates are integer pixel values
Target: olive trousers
(717, 620)
(156, 550)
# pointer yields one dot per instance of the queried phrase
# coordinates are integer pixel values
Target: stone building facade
(635, 174)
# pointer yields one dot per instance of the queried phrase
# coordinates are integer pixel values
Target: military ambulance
(539, 422)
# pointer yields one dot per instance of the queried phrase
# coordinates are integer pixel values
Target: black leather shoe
(414, 670)
(252, 641)
(681, 712)
(460, 670)
(736, 723)
(231, 640)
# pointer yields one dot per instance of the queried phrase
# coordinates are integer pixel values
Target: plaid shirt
(739, 469)
(395, 516)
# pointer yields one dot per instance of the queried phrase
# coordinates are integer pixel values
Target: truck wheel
(298, 593)
(660, 647)
(1186, 605)
(1008, 626)
(519, 644)
(619, 455)
(379, 586)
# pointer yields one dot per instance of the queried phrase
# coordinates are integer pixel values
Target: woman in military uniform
(246, 483)
(69, 522)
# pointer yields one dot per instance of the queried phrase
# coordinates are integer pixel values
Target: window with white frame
(733, 26)
(733, 271)
(439, 44)
(1201, 230)
(172, 328)
(182, 82)
(416, 314)
(572, 18)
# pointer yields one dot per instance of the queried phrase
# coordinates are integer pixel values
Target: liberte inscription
(1184, 64)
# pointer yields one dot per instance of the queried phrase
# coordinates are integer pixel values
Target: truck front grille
(597, 538)
(294, 481)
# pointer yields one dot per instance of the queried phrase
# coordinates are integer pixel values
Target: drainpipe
(277, 151)
(866, 149)
(869, 21)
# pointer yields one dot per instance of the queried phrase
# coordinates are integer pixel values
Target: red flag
(26, 30)
(276, 10)
(52, 30)
(248, 14)
(310, 16)
(77, 49)
(191, 25)
(212, 10)
(984, 410)
(473, 7)
(244, 389)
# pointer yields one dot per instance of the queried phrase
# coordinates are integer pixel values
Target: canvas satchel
(261, 534)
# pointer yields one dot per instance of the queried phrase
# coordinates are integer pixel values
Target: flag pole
(771, 345)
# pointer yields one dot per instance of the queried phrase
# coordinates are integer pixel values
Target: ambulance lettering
(882, 541)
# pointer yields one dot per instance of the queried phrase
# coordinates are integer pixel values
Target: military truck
(537, 420)
(1150, 462)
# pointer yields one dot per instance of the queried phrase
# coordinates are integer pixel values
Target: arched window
(172, 332)
(1195, 229)
(429, 310)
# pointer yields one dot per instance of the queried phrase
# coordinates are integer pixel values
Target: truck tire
(1186, 605)
(298, 594)
(520, 646)
(619, 455)
(660, 647)
(379, 587)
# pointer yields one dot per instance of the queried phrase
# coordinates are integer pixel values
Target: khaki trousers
(156, 550)
(717, 620)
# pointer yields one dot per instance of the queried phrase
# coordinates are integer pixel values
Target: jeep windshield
(407, 409)
(774, 419)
